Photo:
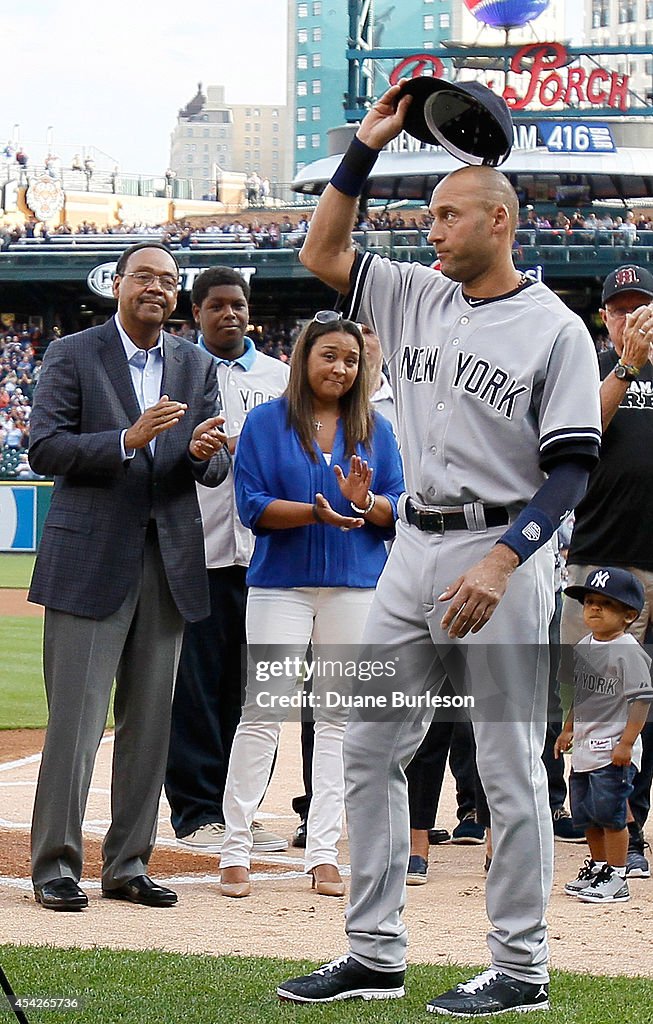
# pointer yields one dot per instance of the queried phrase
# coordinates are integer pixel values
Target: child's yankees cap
(627, 279)
(618, 584)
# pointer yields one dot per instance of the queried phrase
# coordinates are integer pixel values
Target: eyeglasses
(327, 316)
(144, 279)
(621, 314)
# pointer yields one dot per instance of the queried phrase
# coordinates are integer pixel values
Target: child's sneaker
(606, 887)
(585, 877)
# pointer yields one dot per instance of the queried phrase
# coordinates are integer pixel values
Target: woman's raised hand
(355, 487)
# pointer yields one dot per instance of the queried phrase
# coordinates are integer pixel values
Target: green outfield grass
(144, 988)
(16, 570)
(22, 699)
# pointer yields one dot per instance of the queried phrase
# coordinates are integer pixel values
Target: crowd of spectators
(534, 227)
(183, 235)
(582, 229)
(176, 234)
(19, 370)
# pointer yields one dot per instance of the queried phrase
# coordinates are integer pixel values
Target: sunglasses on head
(327, 316)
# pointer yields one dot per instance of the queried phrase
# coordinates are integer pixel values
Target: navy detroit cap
(629, 278)
(619, 584)
(467, 119)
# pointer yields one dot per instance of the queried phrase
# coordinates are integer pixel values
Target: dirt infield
(446, 918)
(14, 602)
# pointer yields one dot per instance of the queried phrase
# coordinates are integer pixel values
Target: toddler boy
(612, 693)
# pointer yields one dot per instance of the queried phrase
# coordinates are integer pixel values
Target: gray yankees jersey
(226, 540)
(487, 395)
(607, 677)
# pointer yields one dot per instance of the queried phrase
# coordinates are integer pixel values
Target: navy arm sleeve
(558, 495)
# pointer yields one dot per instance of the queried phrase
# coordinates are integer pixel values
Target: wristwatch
(623, 371)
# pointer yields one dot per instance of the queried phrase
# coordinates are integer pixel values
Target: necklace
(317, 424)
(524, 280)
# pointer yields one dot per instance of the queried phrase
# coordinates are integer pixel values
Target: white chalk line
(25, 884)
(8, 766)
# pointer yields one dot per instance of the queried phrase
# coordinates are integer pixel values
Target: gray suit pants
(139, 646)
(505, 668)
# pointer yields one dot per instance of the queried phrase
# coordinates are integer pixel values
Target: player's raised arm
(328, 252)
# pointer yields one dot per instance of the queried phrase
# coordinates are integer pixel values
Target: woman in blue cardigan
(303, 475)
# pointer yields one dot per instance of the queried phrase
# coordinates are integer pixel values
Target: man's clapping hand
(154, 421)
(207, 438)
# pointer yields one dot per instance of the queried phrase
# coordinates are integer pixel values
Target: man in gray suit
(125, 420)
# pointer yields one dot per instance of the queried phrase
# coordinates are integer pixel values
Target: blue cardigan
(271, 464)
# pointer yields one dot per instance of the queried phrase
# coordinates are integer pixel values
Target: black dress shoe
(299, 838)
(142, 889)
(61, 894)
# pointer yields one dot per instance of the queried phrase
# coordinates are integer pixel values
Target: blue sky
(113, 74)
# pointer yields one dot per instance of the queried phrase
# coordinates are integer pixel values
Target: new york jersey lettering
(418, 364)
(488, 383)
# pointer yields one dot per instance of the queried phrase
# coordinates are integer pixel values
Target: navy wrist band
(530, 531)
(354, 168)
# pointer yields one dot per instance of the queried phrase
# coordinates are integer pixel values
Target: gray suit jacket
(92, 545)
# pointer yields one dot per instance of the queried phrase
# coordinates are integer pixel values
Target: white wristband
(371, 502)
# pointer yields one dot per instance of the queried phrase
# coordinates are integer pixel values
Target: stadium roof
(538, 175)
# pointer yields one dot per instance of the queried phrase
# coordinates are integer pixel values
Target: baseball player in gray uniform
(496, 387)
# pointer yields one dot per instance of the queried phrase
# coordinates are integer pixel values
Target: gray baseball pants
(505, 668)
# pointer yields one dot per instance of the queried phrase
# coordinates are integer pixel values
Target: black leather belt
(439, 520)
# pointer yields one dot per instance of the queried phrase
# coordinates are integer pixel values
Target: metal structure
(489, 62)
(360, 76)
(495, 60)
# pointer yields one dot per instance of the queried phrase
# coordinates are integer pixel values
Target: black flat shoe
(142, 889)
(61, 894)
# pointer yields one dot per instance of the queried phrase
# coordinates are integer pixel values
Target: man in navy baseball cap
(619, 584)
(629, 278)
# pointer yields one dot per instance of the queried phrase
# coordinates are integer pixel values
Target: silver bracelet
(371, 502)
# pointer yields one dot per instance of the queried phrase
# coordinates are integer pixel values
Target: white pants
(288, 620)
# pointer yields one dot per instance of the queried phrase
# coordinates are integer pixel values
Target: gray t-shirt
(608, 677)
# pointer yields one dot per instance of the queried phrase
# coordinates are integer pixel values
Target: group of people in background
(574, 229)
(220, 496)
(19, 371)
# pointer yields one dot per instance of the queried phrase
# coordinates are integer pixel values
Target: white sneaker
(205, 839)
(265, 841)
(607, 887)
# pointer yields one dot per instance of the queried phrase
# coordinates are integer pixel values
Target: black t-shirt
(614, 521)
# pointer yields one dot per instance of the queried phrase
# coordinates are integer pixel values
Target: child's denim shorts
(599, 799)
